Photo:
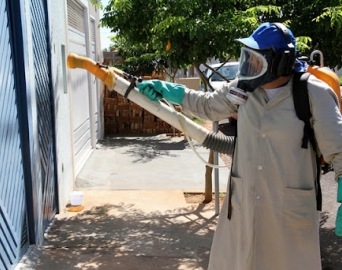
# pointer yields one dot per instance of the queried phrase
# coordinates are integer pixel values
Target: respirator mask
(254, 71)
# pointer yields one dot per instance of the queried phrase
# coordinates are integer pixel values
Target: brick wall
(123, 116)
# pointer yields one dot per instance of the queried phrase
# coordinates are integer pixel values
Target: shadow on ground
(123, 237)
(331, 246)
(147, 148)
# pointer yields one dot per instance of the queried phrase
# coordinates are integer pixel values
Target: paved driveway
(163, 163)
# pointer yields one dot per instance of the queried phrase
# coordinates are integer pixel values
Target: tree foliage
(195, 30)
(177, 33)
(301, 16)
(199, 30)
(331, 44)
(334, 14)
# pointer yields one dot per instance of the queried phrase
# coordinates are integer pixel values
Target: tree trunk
(208, 192)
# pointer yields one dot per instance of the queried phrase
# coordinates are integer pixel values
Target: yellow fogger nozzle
(107, 75)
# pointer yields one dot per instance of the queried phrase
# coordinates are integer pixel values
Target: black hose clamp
(133, 84)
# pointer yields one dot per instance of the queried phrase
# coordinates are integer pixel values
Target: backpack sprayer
(117, 80)
(325, 74)
(328, 76)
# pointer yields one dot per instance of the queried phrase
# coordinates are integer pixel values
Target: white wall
(58, 40)
(58, 23)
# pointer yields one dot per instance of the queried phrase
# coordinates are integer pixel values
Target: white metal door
(79, 83)
(95, 88)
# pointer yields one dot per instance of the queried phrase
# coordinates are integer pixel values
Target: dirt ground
(198, 198)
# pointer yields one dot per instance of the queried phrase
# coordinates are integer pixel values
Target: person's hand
(338, 223)
(157, 90)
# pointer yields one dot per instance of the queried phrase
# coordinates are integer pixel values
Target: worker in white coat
(269, 219)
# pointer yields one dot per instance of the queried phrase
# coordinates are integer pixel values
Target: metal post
(216, 175)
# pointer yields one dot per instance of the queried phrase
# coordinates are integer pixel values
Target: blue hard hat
(268, 36)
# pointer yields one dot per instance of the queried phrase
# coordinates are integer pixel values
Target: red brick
(136, 126)
(134, 106)
(149, 125)
(112, 94)
(136, 113)
(136, 131)
(109, 113)
(123, 119)
(112, 125)
(109, 119)
(136, 119)
(124, 113)
(124, 131)
(149, 118)
(112, 101)
(123, 106)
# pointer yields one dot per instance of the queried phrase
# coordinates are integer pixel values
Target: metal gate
(13, 211)
(18, 215)
(45, 108)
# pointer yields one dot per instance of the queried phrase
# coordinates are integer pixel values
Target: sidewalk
(147, 163)
(129, 230)
(135, 216)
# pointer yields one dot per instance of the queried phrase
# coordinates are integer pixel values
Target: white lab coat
(274, 223)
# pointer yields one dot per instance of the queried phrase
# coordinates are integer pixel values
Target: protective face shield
(252, 64)
(255, 69)
(269, 54)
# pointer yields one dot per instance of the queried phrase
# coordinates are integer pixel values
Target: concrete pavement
(147, 163)
(135, 215)
(129, 230)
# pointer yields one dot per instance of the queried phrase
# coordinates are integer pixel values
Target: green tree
(179, 33)
(331, 20)
(199, 30)
(194, 29)
(334, 14)
(138, 59)
(315, 23)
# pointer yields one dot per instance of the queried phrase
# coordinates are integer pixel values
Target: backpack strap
(302, 106)
(303, 112)
(230, 188)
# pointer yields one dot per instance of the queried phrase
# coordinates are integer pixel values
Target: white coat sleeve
(326, 122)
(212, 106)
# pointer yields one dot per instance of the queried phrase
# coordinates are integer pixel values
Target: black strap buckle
(133, 84)
(130, 87)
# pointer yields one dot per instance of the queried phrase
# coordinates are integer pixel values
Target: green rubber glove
(156, 90)
(338, 223)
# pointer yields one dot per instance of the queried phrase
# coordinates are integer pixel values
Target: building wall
(125, 117)
(61, 88)
(58, 40)
(95, 13)
(191, 83)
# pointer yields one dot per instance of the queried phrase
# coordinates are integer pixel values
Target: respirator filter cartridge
(237, 96)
